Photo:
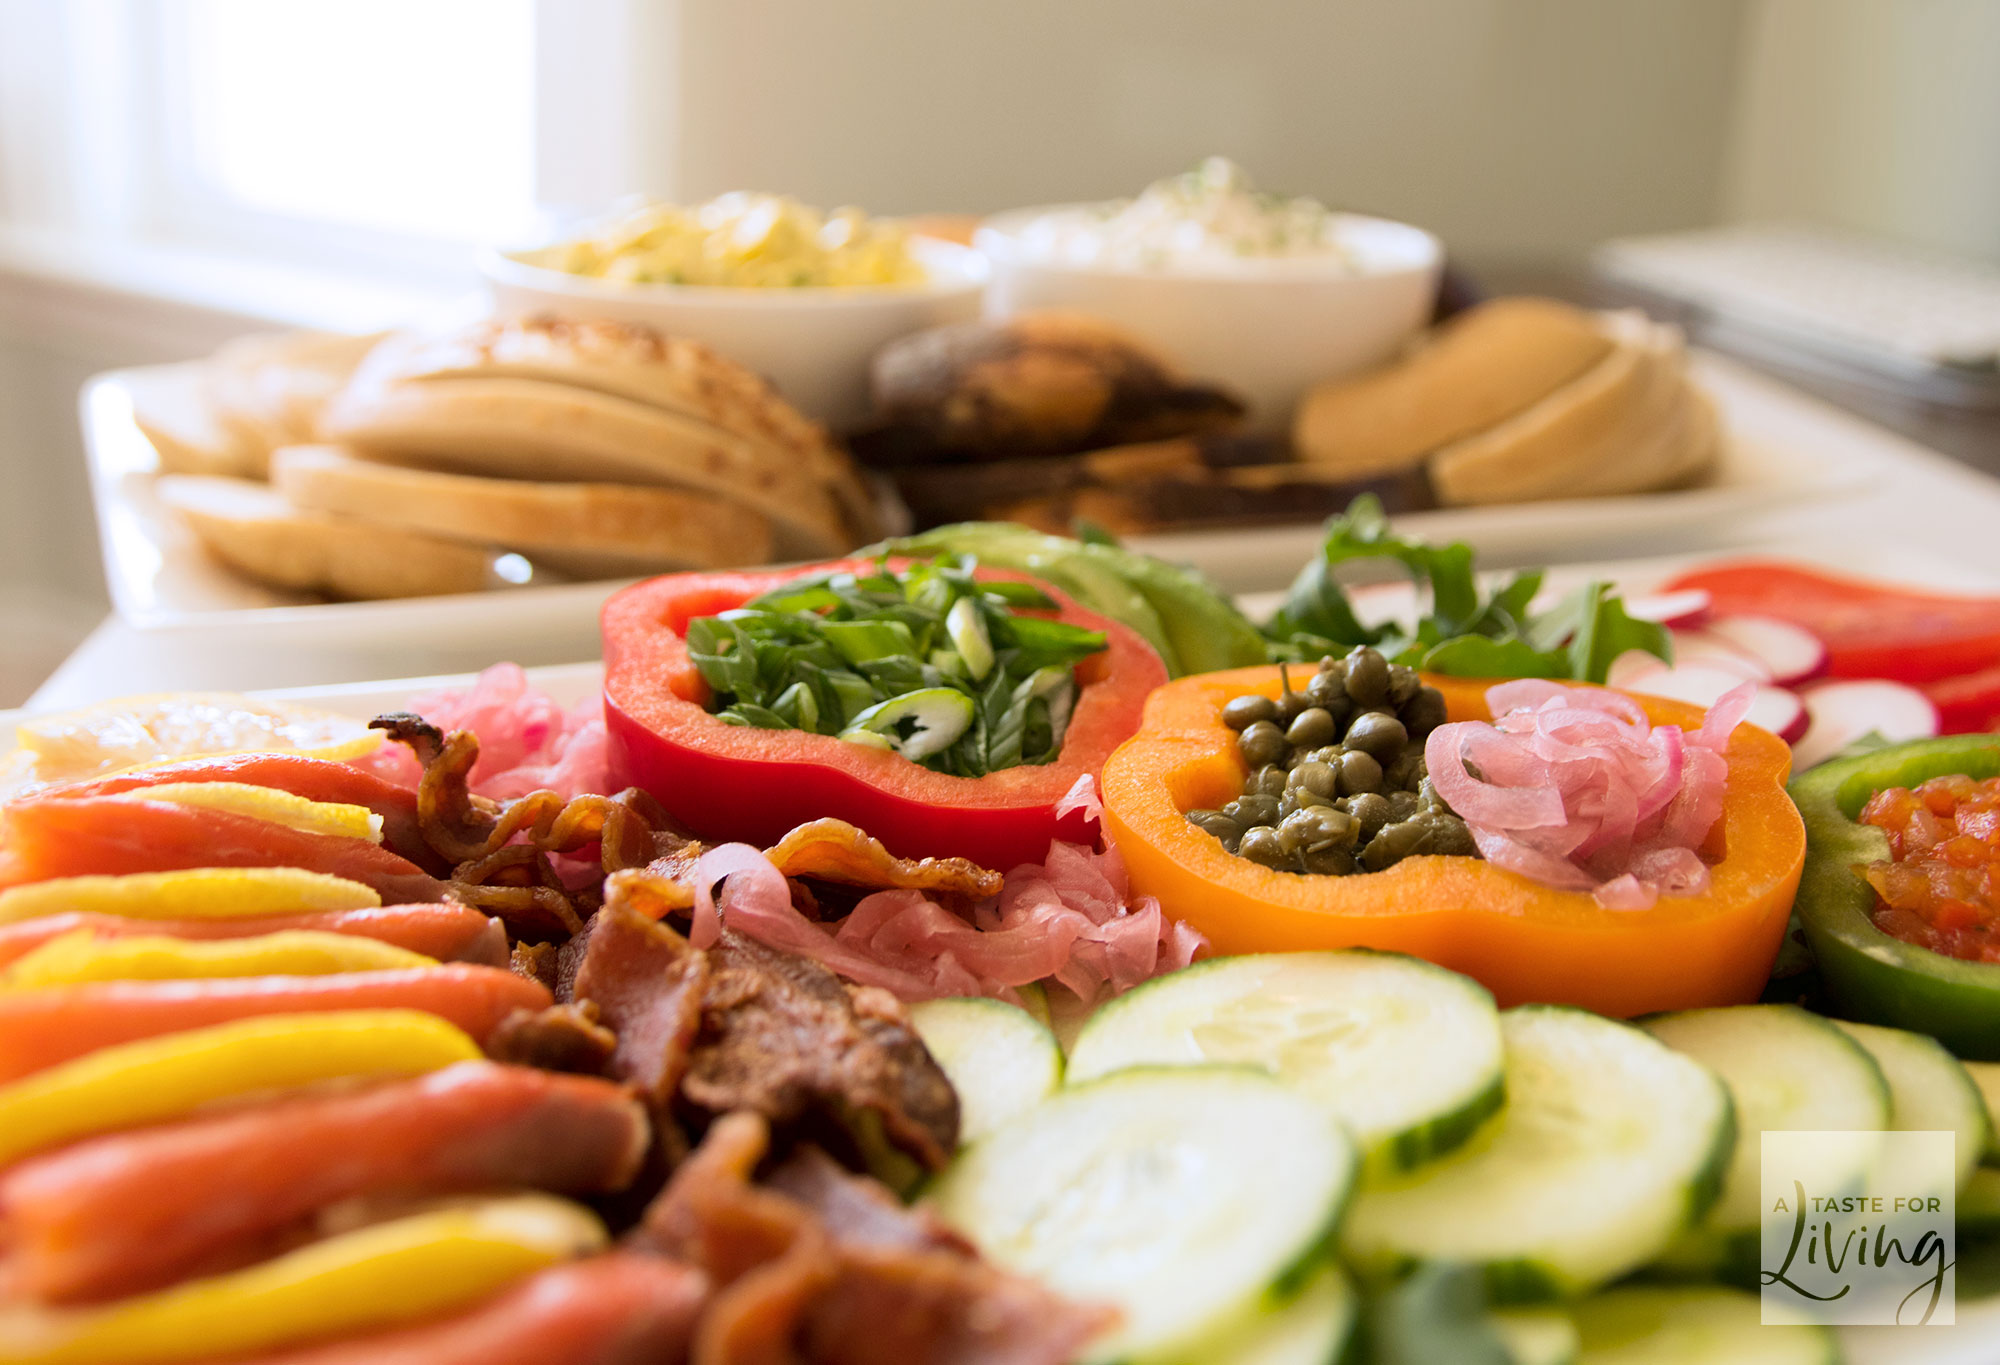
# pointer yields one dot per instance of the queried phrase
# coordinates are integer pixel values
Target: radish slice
(1842, 712)
(1634, 664)
(1771, 708)
(1686, 607)
(1706, 649)
(1792, 653)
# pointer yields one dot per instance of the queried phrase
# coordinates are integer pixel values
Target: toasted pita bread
(1484, 366)
(584, 530)
(255, 531)
(172, 408)
(679, 377)
(533, 429)
(1610, 431)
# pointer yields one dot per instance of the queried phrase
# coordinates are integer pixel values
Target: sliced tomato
(736, 783)
(1871, 630)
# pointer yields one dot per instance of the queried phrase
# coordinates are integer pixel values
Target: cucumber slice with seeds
(1708, 1325)
(1191, 1198)
(1000, 1059)
(1311, 1329)
(1407, 1055)
(1536, 1336)
(1609, 1146)
(1785, 1069)
(1928, 1090)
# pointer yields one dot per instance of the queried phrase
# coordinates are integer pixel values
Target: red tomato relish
(1941, 888)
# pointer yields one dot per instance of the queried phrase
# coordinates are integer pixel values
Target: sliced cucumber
(1696, 1325)
(1978, 1206)
(1188, 1197)
(1986, 1075)
(1609, 1146)
(1536, 1336)
(1785, 1069)
(1928, 1090)
(1312, 1328)
(1000, 1059)
(1405, 1054)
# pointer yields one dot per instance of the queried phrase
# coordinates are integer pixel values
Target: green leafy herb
(1463, 632)
(930, 662)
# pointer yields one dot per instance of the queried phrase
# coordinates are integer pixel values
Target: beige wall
(1879, 115)
(1515, 128)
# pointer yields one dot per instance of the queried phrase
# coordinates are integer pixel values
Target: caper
(1260, 845)
(1403, 684)
(1367, 676)
(1402, 805)
(1248, 810)
(1377, 733)
(1299, 798)
(1268, 780)
(1428, 798)
(1359, 772)
(1424, 712)
(1370, 812)
(1322, 778)
(1313, 727)
(1406, 769)
(1391, 845)
(1451, 836)
(1318, 827)
(1326, 688)
(1329, 753)
(1290, 703)
(1216, 823)
(1243, 712)
(1329, 862)
(1263, 742)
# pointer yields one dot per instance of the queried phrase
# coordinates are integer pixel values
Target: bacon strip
(77, 836)
(614, 1310)
(449, 933)
(647, 984)
(42, 1028)
(129, 1212)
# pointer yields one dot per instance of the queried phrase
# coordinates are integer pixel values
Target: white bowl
(813, 343)
(1267, 330)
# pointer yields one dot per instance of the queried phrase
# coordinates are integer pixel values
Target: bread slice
(536, 429)
(269, 387)
(251, 528)
(1611, 431)
(173, 409)
(679, 377)
(582, 529)
(1480, 368)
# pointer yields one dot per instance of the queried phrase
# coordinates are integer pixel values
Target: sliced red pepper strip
(1870, 630)
(729, 782)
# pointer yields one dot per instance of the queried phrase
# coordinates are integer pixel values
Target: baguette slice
(584, 530)
(269, 387)
(174, 410)
(1480, 368)
(255, 531)
(1579, 440)
(625, 360)
(534, 429)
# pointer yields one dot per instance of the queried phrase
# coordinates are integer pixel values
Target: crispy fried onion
(835, 851)
(502, 856)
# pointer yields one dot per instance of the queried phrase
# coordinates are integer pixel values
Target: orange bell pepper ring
(1523, 941)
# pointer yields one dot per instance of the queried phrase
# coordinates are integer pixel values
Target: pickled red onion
(1575, 789)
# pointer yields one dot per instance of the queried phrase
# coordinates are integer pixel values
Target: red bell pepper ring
(1870, 630)
(731, 782)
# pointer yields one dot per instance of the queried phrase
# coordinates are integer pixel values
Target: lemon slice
(266, 803)
(190, 893)
(134, 730)
(76, 958)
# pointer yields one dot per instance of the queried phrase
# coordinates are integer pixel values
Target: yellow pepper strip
(377, 1277)
(266, 803)
(191, 893)
(82, 956)
(167, 1077)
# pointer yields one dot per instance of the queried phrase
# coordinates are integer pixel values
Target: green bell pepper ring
(1869, 975)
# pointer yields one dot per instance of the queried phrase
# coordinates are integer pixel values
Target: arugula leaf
(1459, 632)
